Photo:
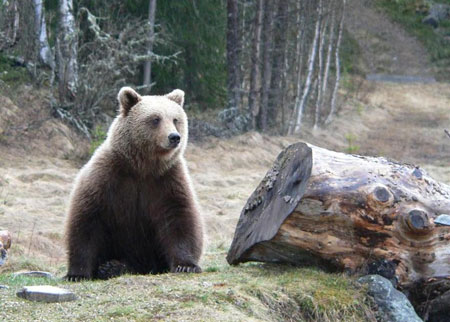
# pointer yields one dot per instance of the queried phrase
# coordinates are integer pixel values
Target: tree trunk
(312, 57)
(267, 65)
(151, 37)
(233, 46)
(298, 82)
(278, 66)
(338, 67)
(319, 74)
(354, 213)
(329, 54)
(43, 48)
(253, 104)
(67, 47)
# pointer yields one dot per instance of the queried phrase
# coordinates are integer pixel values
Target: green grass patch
(408, 13)
(11, 74)
(253, 291)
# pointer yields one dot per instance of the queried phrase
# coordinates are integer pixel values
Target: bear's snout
(174, 139)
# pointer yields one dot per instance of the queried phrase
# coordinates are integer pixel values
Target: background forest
(261, 63)
(264, 65)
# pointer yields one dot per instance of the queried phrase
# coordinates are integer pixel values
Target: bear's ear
(177, 95)
(127, 99)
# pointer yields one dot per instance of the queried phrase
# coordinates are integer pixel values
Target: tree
(338, 67)
(299, 108)
(253, 104)
(267, 65)
(151, 36)
(233, 62)
(45, 54)
(67, 49)
(279, 64)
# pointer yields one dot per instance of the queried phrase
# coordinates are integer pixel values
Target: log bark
(347, 212)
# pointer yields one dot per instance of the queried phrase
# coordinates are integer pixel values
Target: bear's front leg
(182, 241)
(84, 249)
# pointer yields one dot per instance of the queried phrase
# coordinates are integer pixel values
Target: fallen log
(354, 213)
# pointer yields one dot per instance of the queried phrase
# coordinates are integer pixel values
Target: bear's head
(150, 129)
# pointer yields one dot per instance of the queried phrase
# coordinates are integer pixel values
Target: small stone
(4, 287)
(392, 305)
(46, 293)
(35, 274)
(443, 220)
(287, 198)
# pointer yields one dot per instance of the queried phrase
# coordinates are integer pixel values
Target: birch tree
(151, 36)
(67, 47)
(45, 55)
(295, 128)
(338, 67)
(319, 73)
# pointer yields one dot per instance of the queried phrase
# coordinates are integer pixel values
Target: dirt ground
(37, 166)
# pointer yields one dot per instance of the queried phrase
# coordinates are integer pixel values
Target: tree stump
(347, 212)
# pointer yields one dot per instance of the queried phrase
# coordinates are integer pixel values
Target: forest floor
(40, 156)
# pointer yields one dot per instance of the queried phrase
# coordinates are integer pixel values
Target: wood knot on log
(418, 222)
(382, 194)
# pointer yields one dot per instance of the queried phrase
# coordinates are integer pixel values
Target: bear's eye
(155, 121)
(175, 121)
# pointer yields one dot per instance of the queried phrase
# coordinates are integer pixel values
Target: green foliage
(98, 136)
(12, 74)
(409, 13)
(350, 54)
(198, 30)
(351, 147)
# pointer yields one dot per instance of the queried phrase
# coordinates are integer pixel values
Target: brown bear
(133, 202)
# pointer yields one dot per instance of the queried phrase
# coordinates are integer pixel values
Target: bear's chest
(135, 202)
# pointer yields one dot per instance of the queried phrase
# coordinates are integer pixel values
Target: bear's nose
(174, 138)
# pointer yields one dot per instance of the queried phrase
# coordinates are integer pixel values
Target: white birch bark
(338, 67)
(329, 54)
(312, 58)
(45, 53)
(67, 51)
(319, 74)
(151, 36)
(298, 77)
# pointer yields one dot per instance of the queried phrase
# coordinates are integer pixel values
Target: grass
(11, 74)
(249, 292)
(405, 13)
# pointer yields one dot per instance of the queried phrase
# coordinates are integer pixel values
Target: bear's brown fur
(133, 201)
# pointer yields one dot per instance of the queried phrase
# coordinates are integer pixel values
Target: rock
(35, 274)
(438, 12)
(46, 293)
(393, 305)
(4, 287)
(443, 220)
